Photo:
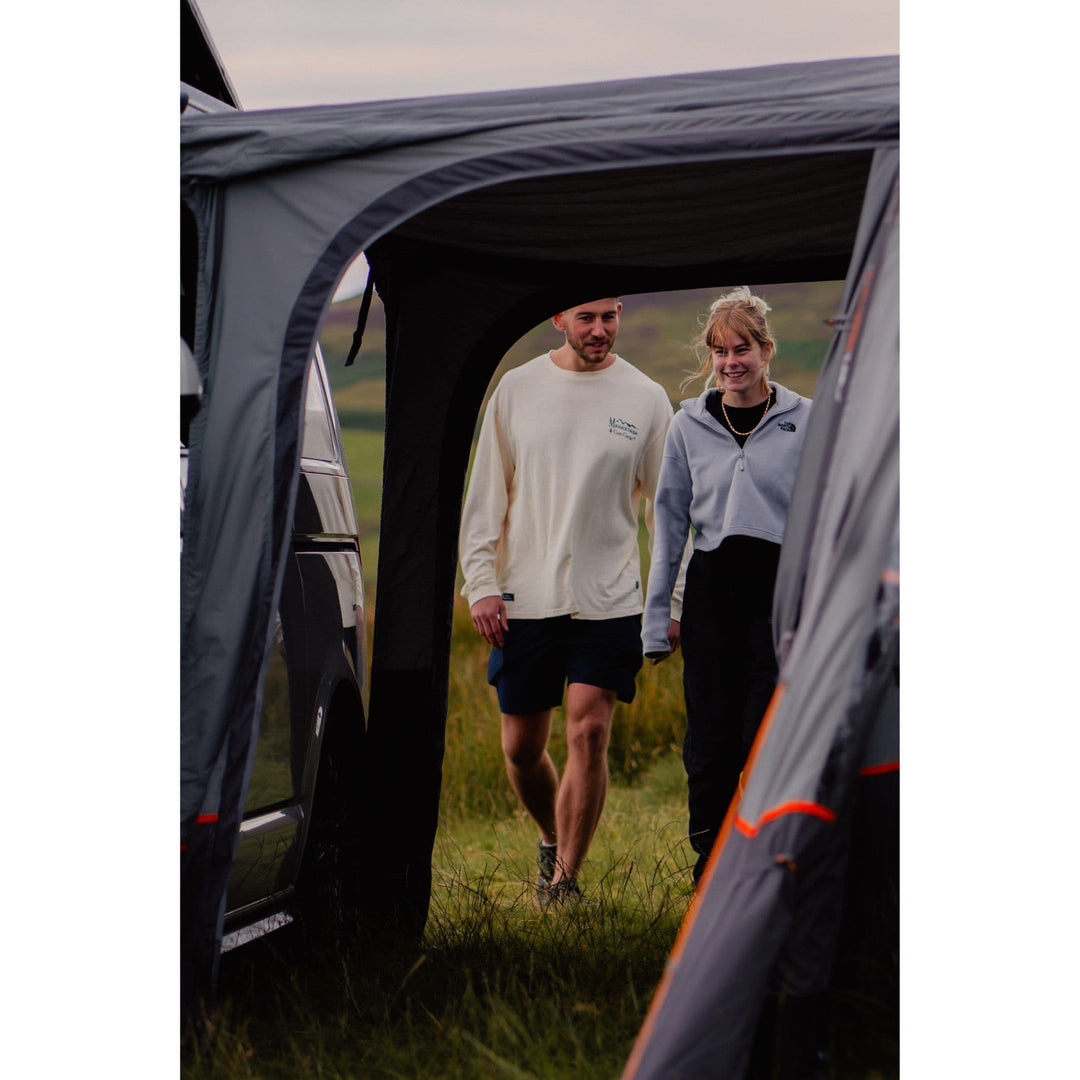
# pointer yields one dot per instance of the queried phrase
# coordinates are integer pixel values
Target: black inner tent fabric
(480, 215)
(639, 218)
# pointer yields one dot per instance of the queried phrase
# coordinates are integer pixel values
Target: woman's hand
(674, 636)
(489, 618)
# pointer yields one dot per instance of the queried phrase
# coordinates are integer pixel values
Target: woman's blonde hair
(738, 311)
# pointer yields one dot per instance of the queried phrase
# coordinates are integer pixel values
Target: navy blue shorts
(540, 656)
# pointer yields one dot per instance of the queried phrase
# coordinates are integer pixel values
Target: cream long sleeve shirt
(551, 516)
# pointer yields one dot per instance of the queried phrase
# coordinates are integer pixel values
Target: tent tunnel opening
(458, 286)
(657, 333)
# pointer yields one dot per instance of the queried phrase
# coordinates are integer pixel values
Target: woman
(728, 472)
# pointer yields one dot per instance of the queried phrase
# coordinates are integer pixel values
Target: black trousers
(729, 673)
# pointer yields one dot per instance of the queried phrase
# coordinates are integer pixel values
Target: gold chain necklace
(768, 402)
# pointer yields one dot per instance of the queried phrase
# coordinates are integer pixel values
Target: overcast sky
(284, 53)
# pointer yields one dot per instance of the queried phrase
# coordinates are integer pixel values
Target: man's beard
(583, 351)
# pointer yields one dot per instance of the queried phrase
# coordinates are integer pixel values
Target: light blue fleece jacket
(711, 484)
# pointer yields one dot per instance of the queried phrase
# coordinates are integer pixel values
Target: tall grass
(497, 987)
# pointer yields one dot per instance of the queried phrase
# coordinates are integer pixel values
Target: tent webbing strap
(361, 319)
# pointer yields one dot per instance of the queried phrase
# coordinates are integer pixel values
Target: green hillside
(656, 334)
(658, 330)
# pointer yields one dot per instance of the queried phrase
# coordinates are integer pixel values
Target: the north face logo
(786, 425)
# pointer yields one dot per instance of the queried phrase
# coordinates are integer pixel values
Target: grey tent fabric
(786, 108)
(807, 499)
(767, 903)
(480, 214)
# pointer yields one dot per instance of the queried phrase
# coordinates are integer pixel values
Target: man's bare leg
(532, 773)
(583, 789)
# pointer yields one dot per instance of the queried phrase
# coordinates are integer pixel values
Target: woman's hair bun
(741, 294)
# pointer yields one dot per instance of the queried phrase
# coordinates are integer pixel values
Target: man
(570, 444)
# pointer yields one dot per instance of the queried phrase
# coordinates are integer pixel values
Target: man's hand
(489, 618)
(674, 636)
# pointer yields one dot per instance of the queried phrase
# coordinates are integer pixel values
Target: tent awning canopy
(762, 167)
(480, 215)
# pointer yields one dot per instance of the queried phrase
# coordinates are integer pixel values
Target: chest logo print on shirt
(621, 427)
(786, 425)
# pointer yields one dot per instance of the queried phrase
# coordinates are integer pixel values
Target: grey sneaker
(545, 865)
(565, 891)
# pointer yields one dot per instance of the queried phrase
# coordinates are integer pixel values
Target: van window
(318, 439)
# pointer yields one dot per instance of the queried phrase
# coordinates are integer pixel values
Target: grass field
(497, 988)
